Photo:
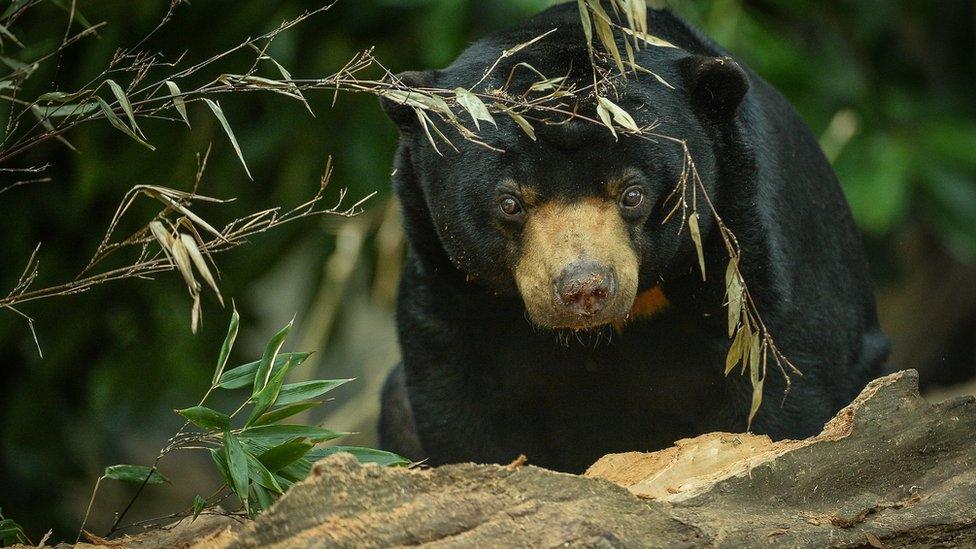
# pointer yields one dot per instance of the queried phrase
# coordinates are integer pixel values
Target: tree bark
(890, 470)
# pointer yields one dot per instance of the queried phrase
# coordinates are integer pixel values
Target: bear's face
(573, 221)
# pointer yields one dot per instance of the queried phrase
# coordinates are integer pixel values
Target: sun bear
(549, 306)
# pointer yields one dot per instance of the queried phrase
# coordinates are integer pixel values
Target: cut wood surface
(889, 470)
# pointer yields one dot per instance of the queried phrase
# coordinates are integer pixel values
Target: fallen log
(890, 470)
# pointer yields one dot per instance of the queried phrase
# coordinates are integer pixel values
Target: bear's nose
(585, 287)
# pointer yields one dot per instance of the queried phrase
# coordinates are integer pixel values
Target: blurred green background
(887, 84)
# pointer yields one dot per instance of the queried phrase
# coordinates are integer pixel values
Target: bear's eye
(632, 197)
(510, 206)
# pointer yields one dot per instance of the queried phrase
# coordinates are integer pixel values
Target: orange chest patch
(647, 304)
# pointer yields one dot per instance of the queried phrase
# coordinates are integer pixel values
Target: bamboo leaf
(206, 418)
(296, 392)
(260, 475)
(200, 263)
(242, 376)
(735, 353)
(605, 117)
(182, 259)
(287, 76)
(114, 120)
(419, 100)
(604, 32)
(273, 433)
(733, 288)
(135, 474)
(177, 97)
(263, 373)
(757, 382)
(219, 113)
(285, 411)
(587, 24)
(267, 396)
(284, 454)
(199, 504)
(228, 344)
(364, 455)
(620, 116)
(119, 94)
(696, 238)
(236, 466)
(522, 122)
(475, 107)
(162, 236)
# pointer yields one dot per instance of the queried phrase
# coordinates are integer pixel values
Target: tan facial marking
(558, 234)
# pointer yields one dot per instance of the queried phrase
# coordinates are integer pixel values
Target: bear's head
(573, 220)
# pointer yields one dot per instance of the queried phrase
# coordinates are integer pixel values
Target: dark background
(887, 84)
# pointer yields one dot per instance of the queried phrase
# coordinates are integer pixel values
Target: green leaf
(135, 473)
(266, 398)
(285, 454)
(273, 433)
(264, 498)
(243, 376)
(119, 94)
(67, 110)
(215, 107)
(11, 533)
(225, 348)
(119, 125)
(199, 504)
(177, 97)
(206, 418)
(219, 457)
(263, 373)
(364, 455)
(283, 412)
(260, 474)
(236, 465)
(295, 392)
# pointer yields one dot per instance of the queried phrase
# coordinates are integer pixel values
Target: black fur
(481, 383)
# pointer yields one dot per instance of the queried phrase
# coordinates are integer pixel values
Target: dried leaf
(166, 199)
(420, 100)
(735, 353)
(200, 263)
(522, 122)
(547, 84)
(757, 382)
(422, 116)
(287, 76)
(587, 24)
(219, 113)
(605, 117)
(733, 288)
(696, 238)
(182, 259)
(475, 107)
(604, 31)
(620, 116)
(162, 236)
(177, 97)
(649, 39)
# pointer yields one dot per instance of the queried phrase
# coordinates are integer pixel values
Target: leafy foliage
(259, 458)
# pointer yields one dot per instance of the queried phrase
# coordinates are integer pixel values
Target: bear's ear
(401, 114)
(718, 85)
